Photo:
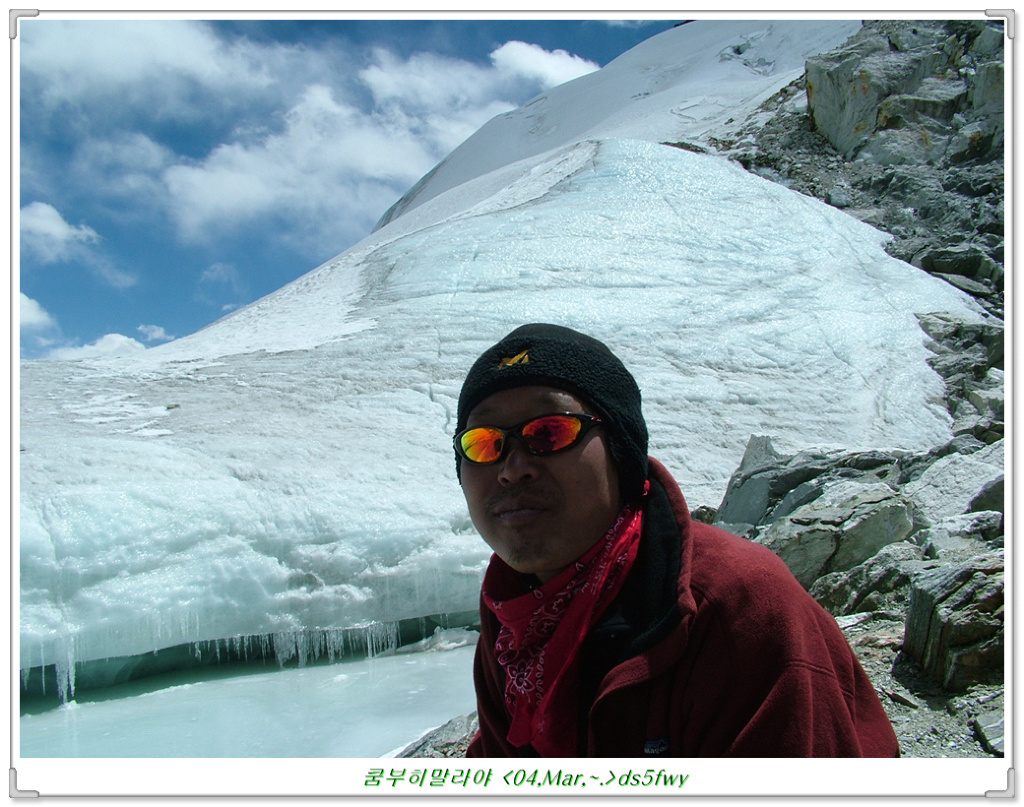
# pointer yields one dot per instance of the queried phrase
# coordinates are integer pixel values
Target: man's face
(539, 514)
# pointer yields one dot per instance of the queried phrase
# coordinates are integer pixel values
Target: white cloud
(328, 175)
(280, 142)
(427, 81)
(46, 236)
(158, 63)
(123, 166)
(33, 317)
(154, 333)
(113, 344)
(334, 168)
(549, 68)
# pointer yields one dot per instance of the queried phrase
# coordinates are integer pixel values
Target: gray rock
(990, 400)
(804, 493)
(954, 627)
(986, 91)
(746, 497)
(449, 740)
(972, 287)
(903, 129)
(959, 538)
(988, 43)
(881, 583)
(991, 732)
(844, 527)
(967, 260)
(846, 87)
(840, 197)
(990, 497)
(912, 466)
(971, 142)
(949, 485)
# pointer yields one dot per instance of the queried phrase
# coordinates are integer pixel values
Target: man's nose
(519, 465)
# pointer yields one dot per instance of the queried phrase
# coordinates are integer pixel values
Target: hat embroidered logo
(519, 358)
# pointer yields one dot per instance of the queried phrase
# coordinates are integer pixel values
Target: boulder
(449, 740)
(949, 485)
(845, 526)
(954, 626)
(768, 486)
(880, 584)
(911, 466)
(991, 732)
(959, 538)
(990, 399)
(746, 498)
(990, 497)
(846, 87)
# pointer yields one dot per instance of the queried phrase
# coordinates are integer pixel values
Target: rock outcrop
(868, 531)
(450, 740)
(955, 621)
(903, 127)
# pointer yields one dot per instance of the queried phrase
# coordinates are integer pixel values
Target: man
(612, 624)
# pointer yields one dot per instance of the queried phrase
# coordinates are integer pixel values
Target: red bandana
(542, 631)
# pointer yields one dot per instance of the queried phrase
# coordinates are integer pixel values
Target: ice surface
(320, 711)
(290, 468)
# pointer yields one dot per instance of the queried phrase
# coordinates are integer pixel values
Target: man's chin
(523, 557)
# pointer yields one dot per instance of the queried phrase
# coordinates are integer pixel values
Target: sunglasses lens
(482, 445)
(543, 435)
(552, 433)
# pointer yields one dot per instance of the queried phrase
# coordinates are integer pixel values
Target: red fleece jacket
(754, 667)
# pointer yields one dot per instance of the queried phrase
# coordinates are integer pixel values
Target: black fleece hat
(555, 356)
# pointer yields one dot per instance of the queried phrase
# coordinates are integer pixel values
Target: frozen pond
(364, 708)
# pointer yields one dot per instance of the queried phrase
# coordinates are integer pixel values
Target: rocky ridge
(903, 128)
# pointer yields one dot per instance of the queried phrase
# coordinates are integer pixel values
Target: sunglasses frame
(587, 422)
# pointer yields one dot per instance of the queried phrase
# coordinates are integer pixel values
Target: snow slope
(289, 468)
(683, 84)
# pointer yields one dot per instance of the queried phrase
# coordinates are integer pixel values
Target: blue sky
(174, 170)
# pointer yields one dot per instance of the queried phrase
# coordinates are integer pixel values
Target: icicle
(65, 669)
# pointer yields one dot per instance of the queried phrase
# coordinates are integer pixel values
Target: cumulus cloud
(335, 166)
(210, 138)
(113, 344)
(157, 65)
(154, 333)
(33, 317)
(548, 68)
(125, 167)
(330, 173)
(46, 236)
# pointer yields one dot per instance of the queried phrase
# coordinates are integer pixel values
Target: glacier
(288, 470)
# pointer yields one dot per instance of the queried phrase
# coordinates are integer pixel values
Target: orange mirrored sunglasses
(541, 436)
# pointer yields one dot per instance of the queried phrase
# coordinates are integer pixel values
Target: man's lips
(517, 509)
